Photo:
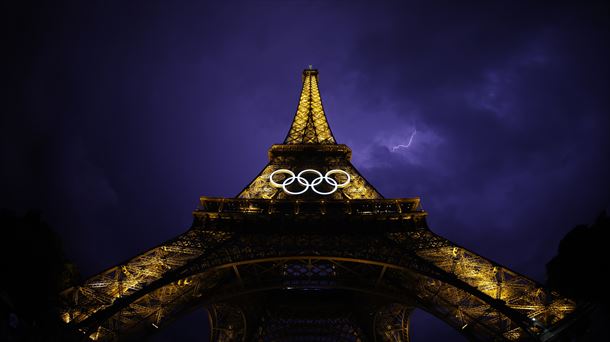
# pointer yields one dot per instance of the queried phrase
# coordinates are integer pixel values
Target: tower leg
(391, 323)
(227, 323)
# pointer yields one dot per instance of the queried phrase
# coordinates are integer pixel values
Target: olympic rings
(291, 178)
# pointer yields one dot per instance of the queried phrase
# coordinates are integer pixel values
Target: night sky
(118, 116)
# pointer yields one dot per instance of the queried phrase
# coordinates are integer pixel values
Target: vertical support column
(227, 323)
(391, 323)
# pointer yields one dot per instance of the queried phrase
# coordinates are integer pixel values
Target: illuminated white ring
(332, 172)
(291, 178)
(303, 181)
(332, 182)
(280, 171)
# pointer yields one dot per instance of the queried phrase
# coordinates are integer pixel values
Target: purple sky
(120, 116)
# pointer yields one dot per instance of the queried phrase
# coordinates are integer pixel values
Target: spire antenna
(309, 125)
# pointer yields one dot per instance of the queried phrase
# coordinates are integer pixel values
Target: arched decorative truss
(401, 261)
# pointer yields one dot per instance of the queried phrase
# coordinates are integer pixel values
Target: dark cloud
(510, 120)
(120, 115)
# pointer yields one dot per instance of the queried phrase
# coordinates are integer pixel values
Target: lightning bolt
(407, 145)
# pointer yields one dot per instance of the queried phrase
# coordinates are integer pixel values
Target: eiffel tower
(310, 251)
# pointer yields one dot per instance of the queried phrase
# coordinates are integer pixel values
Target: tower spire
(309, 125)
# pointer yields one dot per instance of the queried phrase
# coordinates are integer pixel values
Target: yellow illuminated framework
(310, 125)
(242, 252)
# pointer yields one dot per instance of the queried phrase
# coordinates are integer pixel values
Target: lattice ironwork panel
(309, 125)
(310, 261)
(103, 290)
(227, 323)
(391, 323)
(535, 307)
(309, 330)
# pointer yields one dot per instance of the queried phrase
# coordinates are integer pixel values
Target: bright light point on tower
(66, 317)
(396, 147)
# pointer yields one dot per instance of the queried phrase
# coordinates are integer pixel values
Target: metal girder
(455, 285)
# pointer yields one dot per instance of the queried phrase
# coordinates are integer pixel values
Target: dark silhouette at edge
(34, 271)
(578, 272)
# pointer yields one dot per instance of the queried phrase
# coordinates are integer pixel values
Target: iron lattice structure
(346, 266)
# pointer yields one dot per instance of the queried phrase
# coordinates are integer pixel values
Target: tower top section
(309, 165)
(309, 125)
